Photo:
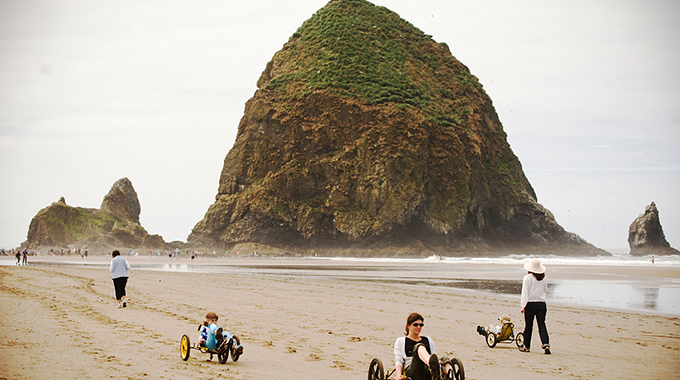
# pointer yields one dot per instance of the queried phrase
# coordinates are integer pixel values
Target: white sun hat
(535, 266)
(505, 318)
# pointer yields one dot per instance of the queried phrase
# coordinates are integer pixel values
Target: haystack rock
(367, 137)
(646, 237)
(114, 225)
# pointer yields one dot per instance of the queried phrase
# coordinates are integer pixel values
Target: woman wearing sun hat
(532, 302)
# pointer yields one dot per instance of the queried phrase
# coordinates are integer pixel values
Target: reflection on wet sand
(494, 286)
(651, 297)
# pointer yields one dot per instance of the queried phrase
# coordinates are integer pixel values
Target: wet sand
(61, 322)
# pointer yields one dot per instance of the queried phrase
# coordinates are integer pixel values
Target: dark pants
(418, 370)
(538, 310)
(119, 284)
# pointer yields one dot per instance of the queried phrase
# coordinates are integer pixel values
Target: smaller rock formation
(645, 235)
(114, 225)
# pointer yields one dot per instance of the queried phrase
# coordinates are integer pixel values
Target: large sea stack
(114, 225)
(367, 137)
(646, 237)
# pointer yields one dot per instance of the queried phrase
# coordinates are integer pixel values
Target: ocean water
(617, 259)
(632, 289)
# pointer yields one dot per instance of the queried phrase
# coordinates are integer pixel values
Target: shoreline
(650, 290)
(564, 271)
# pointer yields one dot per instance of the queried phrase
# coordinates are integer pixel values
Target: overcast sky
(93, 91)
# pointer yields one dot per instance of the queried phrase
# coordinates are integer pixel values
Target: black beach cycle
(451, 369)
(228, 345)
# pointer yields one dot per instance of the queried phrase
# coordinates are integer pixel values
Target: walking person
(24, 261)
(119, 273)
(532, 302)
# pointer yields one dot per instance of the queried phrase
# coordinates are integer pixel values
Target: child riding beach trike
(506, 333)
(227, 344)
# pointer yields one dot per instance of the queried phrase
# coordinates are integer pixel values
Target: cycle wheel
(184, 347)
(519, 339)
(447, 371)
(376, 371)
(235, 350)
(458, 370)
(491, 339)
(223, 356)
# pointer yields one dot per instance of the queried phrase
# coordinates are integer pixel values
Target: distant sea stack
(646, 237)
(114, 225)
(122, 200)
(367, 137)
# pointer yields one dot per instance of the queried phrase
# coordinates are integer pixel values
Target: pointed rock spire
(122, 200)
(646, 237)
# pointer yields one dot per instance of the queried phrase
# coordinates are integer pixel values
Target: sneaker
(547, 349)
(119, 305)
(523, 349)
(124, 304)
(435, 371)
(481, 331)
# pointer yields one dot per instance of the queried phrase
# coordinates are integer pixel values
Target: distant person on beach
(25, 260)
(18, 257)
(414, 355)
(119, 273)
(532, 301)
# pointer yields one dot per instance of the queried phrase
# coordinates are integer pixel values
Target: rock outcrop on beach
(366, 136)
(122, 200)
(114, 225)
(646, 237)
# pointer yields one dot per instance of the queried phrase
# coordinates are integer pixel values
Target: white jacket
(119, 267)
(533, 290)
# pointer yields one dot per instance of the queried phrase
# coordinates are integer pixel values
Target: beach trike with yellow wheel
(451, 369)
(227, 344)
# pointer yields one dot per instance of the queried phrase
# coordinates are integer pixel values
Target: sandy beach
(61, 322)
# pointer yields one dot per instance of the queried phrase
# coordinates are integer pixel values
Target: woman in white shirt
(119, 273)
(532, 302)
(414, 355)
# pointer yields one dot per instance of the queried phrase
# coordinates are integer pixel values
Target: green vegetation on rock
(357, 50)
(78, 223)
